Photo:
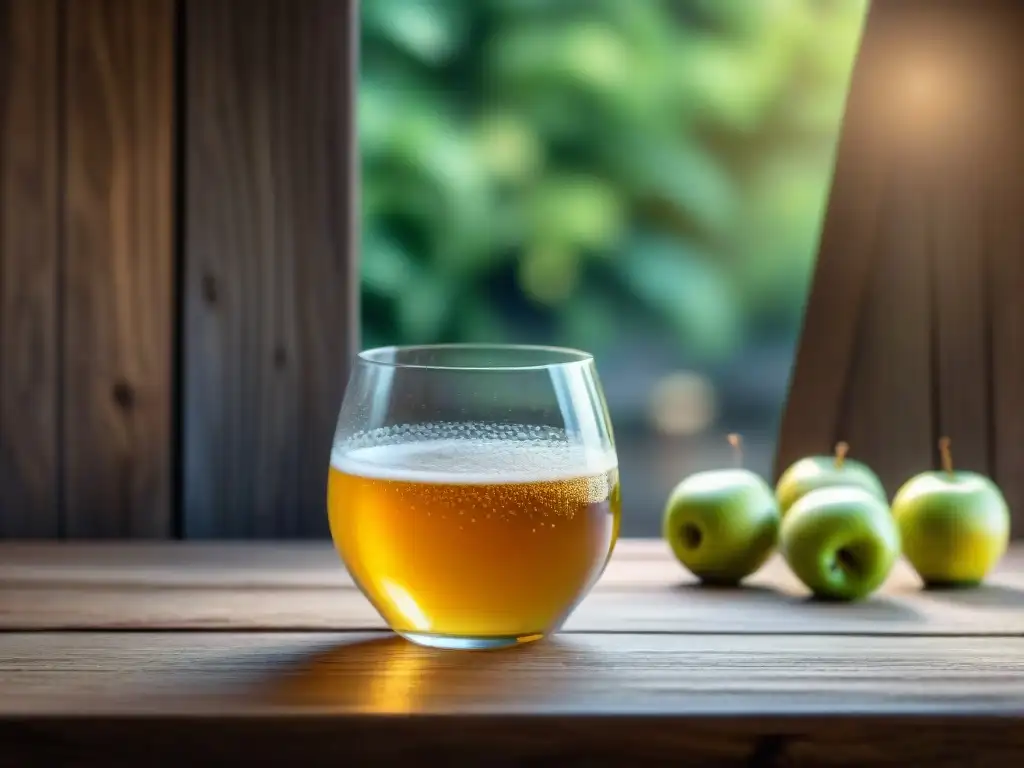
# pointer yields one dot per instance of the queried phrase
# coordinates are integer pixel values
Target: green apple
(840, 541)
(722, 524)
(815, 472)
(955, 525)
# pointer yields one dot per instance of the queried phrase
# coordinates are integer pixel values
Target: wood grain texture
(118, 269)
(974, 159)
(629, 674)
(887, 415)
(243, 564)
(960, 316)
(783, 682)
(1004, 235)
(270, 288)
(901, 610)
(579, 700)
(303, 587)
(29, 268)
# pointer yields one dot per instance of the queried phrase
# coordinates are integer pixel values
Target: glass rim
(563, 356)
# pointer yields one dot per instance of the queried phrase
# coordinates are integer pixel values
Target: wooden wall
(914, 327)
(176, 292)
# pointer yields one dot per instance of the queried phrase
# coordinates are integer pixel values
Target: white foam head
(473, 460)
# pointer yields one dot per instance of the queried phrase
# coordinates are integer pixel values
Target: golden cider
(474, 539)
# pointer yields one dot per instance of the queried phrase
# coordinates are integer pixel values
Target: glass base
(463, 643)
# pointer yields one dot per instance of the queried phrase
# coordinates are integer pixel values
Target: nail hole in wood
(210, 292)
(124, 395)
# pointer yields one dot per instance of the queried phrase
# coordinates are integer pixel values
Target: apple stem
(842, 449)
(737, 448)
(947, 454)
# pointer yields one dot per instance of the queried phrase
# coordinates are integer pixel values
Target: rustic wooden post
(177, 269)
(86, 270)
(270, 286)
(914, 327)
(29, 213)
(118, 272)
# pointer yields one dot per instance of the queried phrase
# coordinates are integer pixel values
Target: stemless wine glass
(474, 489)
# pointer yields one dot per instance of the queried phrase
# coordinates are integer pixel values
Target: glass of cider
(474, 489)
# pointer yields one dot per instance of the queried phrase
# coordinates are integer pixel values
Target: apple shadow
(878, 607)
(724, 590)
(873, 608)
(391, 675)
(978, 595)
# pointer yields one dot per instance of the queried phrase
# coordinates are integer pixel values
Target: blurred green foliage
(584, 171)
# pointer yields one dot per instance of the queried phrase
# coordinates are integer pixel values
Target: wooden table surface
(132, 652)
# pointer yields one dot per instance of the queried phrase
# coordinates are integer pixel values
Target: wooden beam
(270, 286)
(302, 586)
(30, 204)
(119, 277)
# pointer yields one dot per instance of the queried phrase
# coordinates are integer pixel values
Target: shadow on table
(701, 590)
(980, 596)
(390, 675)
(874, 608)
(800, 606)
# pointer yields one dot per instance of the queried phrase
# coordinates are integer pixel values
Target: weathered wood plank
(227, 565)
(303, 587)
(887, 416)
(270, 292)
(960, 311)
(1004, 234)
(994, 610)
(29, 268)
(976, 158)
(119, 286)
(629, 674)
